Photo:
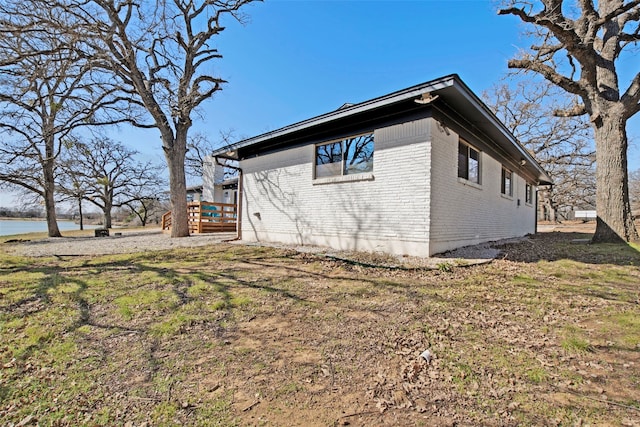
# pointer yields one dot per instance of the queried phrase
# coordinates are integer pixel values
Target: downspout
(239, 207)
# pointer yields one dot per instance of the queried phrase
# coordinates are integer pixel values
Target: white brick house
(418, 172)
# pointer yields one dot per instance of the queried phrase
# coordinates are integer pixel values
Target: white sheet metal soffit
(449, 91)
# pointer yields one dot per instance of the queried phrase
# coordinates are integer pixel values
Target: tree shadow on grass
(606, 271)
(555, 246)
(39, 301)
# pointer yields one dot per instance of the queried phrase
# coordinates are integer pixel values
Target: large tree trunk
(50, 207)
(615, 222)
(107, 215)
(175, 154)
(49, 188)
(143, 216)
(108, 204)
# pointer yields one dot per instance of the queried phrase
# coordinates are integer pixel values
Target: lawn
(548, 334)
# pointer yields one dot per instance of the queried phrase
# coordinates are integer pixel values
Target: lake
(17, 226)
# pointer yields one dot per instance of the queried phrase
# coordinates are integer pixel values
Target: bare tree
(74, 187)
(199, 146)
(579, 47)
(161, 51)
(562, 145)
(146, 209)
(109, 175)
(47, 90)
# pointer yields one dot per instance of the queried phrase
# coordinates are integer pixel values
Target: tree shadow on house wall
(273, 188)
(336, 216)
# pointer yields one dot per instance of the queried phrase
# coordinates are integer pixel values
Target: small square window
(506, 187)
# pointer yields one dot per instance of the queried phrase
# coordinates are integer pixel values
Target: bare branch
(550, 74)
(621, 11)
(576, 110)
(561, 145)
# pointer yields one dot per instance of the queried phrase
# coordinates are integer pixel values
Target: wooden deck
(206, 217)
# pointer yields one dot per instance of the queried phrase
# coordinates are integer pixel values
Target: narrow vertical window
(463, 161)
(474, 166)
(507, 182)
(468, 163)
(528, 194)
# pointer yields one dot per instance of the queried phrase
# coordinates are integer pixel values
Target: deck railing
(207, 217)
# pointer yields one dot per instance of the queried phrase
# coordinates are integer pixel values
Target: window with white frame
(349, 156)
(468, 162)
(528, 194)
(506, 186)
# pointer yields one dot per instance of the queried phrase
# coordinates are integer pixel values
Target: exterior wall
(465, 214)
(386, 210)
(412, 203)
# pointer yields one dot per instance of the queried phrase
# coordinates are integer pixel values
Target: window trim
(469, 183)
(469, 148)
(342, 176)
(336, 179)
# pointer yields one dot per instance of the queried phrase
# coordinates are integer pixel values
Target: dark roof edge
(400, 95)
(451, 80)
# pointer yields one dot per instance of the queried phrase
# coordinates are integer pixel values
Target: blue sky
(295, 59)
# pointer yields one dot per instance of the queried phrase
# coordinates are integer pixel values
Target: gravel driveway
(127, 242)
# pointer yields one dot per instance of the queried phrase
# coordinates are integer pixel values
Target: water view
(17, 226)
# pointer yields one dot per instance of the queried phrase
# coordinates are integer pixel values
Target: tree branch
(620, 11)
(577, 110)
(631, 98)
(550, 74)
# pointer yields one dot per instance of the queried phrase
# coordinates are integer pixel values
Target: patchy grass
(574, 342)
(232, 335)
